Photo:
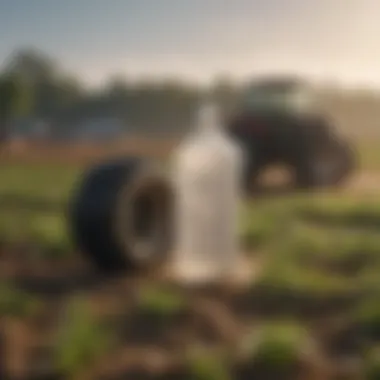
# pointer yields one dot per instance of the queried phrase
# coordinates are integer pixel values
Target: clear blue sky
(199, 38)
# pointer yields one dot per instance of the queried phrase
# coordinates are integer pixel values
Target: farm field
(311, 310)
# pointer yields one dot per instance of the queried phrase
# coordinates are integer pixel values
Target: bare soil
(85, 153)
(150, 348)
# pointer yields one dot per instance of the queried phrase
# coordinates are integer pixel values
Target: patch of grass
(263, 222)
(16, 303)
(14, 226)
(299, 265)
(161, 303)
(33, 200)
(44, 230)
(315, 259)
(207, 365)
(295, 281)
(367, 317)
(343, 212)
(45, 182)
(372, 364)
(50, 233)
(277, 345)
(330, 248)
(82, 340)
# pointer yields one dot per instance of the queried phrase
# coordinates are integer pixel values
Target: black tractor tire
(250, 173)
(121, 214)
(329, 165)
(349, 162)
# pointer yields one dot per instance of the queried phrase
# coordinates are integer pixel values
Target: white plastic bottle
(207, 182)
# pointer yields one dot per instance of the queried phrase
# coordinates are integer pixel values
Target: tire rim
(143, 222)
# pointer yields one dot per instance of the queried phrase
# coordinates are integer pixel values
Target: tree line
(33, 86)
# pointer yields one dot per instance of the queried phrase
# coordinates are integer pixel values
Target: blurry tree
(70, 91)
(15, 101)
(54, 95)
(32, 65)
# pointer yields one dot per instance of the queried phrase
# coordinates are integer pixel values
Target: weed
(16, 303)
(207, 365)
(372, 364)
(367, 318)
(277, 345)
(160, 303)
(83, 338)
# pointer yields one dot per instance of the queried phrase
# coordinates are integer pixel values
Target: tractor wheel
(348, 162)
(120, 217)
(329, 166)
(250, 177)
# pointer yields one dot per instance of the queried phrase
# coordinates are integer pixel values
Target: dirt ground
(41, 152)
(365, 181)
(150, 348)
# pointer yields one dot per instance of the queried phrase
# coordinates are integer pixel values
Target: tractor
(278, 121)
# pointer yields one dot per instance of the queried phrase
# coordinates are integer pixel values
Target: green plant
(344, 212)
(16, 303)
(277, 345)
(160, 303)
(49, 232)
(337, 249)
(82, 339)
(283, 276)
(372, 364)
(367, 317)
(207, 365)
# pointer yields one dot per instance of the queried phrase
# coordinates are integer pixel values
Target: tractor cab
(278, 95)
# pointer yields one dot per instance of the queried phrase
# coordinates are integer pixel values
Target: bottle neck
(207, 120)
(207, 128)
